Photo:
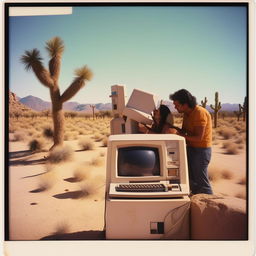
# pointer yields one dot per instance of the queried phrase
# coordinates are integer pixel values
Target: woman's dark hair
(164, 112)
(183, 96)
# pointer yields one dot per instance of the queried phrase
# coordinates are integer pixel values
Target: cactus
(216, 108)
(203, 103)
(239, 112)
(244, 108)
(49, 78)
(93, 107)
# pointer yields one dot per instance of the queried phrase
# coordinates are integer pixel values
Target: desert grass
(232, 149)
(87, 188)
(61, 154)
(241, 195)
(82, 173)
(242, 181)
(227, 174)
(86, 144)
(48, 132)
(31, 131)
(98, 137)
(105, 142)
(36, 145)
(239, 140)
(46, 182)
(227, 133)
(19, 136)
(96, 161)
(26, 127)
(214, 173)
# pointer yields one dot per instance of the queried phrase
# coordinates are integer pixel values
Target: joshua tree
(33, 60)
(216, 108)
(203, 103)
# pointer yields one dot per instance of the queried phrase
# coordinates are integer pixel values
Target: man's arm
(197, 136)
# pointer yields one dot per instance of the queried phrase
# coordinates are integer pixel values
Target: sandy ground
(36, 214)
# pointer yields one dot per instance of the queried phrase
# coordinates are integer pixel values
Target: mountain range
(38, 104)
(224, 107)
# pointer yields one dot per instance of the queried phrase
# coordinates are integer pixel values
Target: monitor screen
(138, 161)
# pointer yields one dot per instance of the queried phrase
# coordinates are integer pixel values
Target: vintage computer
(146, 186)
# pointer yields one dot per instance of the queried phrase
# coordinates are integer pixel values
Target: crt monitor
(147, 158)
(135, 161)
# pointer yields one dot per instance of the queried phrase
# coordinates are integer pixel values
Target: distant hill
(35, 103)
(224, 107)
(38, 104)
(15, 105)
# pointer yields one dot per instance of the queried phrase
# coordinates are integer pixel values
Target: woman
(162, 122)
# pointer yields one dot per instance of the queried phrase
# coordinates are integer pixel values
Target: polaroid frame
(15, 248)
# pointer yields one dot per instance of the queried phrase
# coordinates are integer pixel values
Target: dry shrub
(71, 135)
(46, 181)
(242, 181)
(88, 188)
(61, 154)
(75, 135)
(105, 142)
(81, 131)
(241, 195)
(214, 173)
(19, 136)
(227, 133)
(86, 144)
(239, 140)
(241, 146)
(36, 145)
(97, 161)
(31, 131)
(48, 132)
(226, 174)
(232, 149)
(82, 173)
(98, 137)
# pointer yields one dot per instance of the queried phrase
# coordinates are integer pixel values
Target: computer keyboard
(141, 187)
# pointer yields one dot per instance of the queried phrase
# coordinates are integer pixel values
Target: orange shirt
(198, 117)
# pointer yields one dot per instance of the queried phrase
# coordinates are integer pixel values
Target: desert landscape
(61, 194)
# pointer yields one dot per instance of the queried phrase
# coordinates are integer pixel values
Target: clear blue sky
(156, 49)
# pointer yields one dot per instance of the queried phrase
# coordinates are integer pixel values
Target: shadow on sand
(18, 154)
(83, 235)
(31, 176)
(72, 179)
(27, 162)
(72, 195)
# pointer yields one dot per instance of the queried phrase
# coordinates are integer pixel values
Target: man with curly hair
(197, 130)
